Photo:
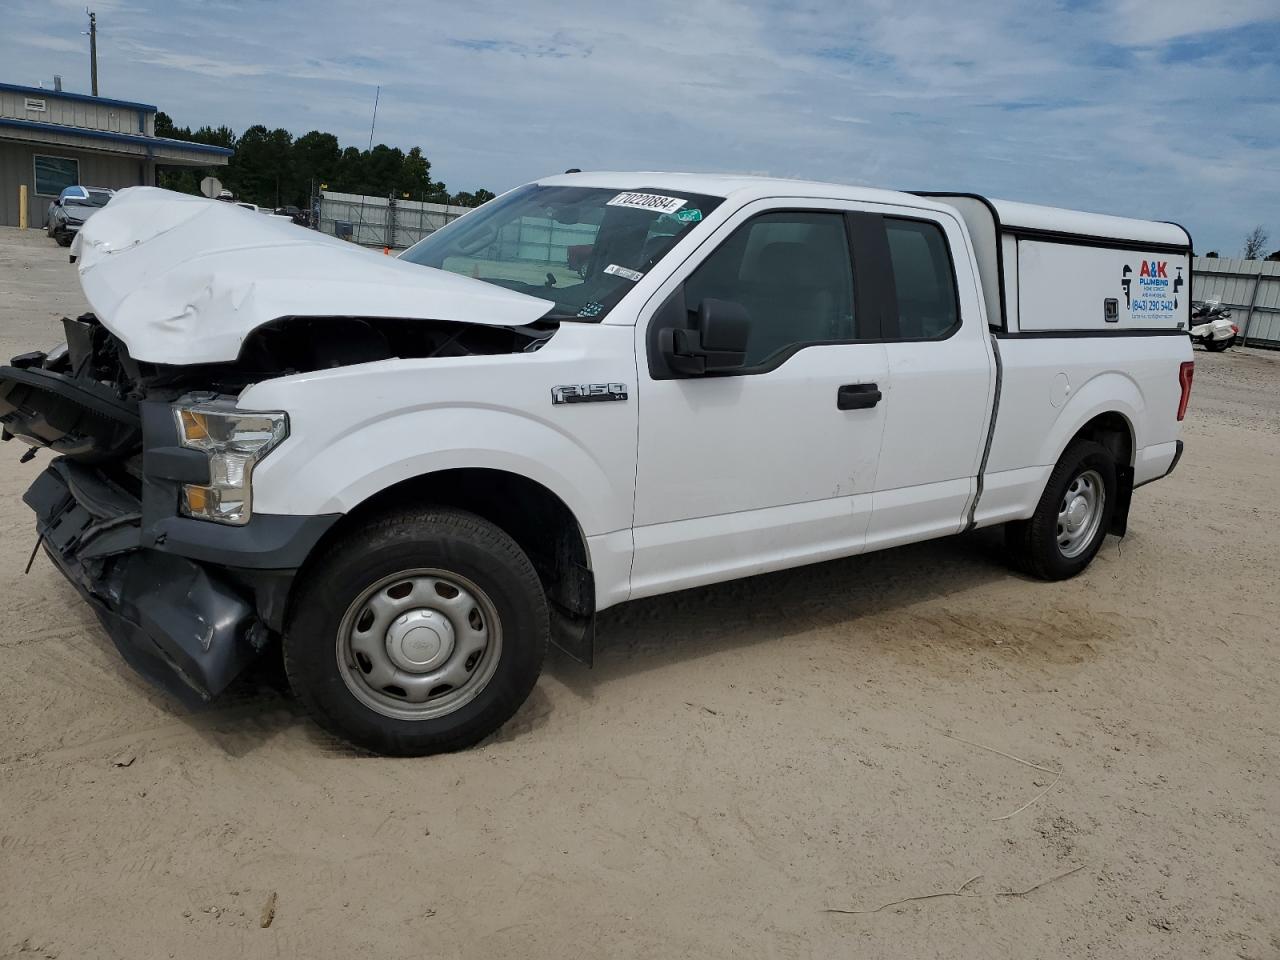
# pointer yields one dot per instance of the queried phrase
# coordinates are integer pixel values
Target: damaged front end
(147, 507)
(185, 629)
(191, 589)
(189, 603)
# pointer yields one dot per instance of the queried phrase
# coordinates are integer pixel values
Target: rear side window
(791, 271)
(923, 279)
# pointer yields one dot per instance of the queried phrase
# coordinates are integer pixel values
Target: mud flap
(1124, 497)
(573, 633)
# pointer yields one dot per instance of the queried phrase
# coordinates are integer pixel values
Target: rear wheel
(1072, 517)
(1217, 346)
(419, 633)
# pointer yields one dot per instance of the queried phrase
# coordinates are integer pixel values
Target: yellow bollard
(22, 206)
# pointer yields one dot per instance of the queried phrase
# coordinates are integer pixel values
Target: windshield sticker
(691, 215)
(593, 308)
(647, 201)
(617, 271)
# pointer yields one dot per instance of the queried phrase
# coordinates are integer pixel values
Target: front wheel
(1073, 515)
(422, 632)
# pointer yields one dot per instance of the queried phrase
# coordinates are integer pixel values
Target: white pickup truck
(415, 472)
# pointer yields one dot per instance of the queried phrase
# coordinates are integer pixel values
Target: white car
(415, 472)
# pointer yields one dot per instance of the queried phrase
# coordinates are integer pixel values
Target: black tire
(1033, 544)
(64, 239)
(442, 539)
(1217, 346)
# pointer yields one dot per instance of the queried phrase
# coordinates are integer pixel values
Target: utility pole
(93, 50)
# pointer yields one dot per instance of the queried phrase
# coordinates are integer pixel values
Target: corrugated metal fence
(381, 222)
(1251, 288)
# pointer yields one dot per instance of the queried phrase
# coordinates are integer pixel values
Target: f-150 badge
(588, 392)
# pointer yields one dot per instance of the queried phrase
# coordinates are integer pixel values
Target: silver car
(73, 207)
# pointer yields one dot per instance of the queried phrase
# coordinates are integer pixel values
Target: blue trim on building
(42, 93)
(148, 142)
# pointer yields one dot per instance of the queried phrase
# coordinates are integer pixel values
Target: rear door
(941, 383)
(774, 464)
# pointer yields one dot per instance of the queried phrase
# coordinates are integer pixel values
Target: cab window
(791, 271)
(923, 279)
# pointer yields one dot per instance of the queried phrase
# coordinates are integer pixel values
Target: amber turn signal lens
(194, 426)
(197, 498)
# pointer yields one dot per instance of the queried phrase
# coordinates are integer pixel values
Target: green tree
(350, 177)
(272, 169)
(383, 166)
(438, 193)
(261, 170)
(222, 136)
(466, 199)
(415, 175)
(316, 158)
(165, 128)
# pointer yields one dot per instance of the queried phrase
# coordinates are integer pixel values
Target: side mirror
(717, 344)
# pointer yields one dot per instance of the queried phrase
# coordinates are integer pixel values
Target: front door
(774, 464)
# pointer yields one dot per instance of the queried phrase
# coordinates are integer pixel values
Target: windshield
(96, 198)
(582, 247)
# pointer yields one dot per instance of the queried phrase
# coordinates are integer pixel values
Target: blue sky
(1168, 109)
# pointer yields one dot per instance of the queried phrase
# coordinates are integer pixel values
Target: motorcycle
(1211, 326)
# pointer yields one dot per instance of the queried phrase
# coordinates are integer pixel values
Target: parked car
(289, 212)
(74, 206)
(415, 472)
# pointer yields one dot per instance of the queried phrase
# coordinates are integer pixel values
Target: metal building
(51, 139)
(1251, 288)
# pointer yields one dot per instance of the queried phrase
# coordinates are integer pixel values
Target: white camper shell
(1048, 270)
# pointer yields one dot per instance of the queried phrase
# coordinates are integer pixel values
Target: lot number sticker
(617, 271)
(647, 201)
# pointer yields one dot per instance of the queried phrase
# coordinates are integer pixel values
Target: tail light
(1235, 330)
(1186, 372)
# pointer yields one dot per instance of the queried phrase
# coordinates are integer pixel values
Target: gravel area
(971, 763)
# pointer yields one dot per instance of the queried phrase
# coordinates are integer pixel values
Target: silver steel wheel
(1080, 513)
(419, 644)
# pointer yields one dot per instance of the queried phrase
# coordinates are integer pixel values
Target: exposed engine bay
(81, 398)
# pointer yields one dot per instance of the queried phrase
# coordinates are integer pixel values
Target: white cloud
(1145, 21)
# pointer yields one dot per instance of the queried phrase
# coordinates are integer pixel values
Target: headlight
(233, 440)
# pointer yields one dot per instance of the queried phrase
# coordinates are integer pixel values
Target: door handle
(857, 396)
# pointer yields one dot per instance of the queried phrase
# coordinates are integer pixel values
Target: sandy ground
(741, 759)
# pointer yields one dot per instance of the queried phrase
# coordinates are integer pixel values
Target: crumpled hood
(184, 279)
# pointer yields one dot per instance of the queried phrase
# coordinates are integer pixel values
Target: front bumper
(188, 603)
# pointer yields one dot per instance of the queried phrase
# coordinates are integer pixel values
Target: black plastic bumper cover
(187, 626)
